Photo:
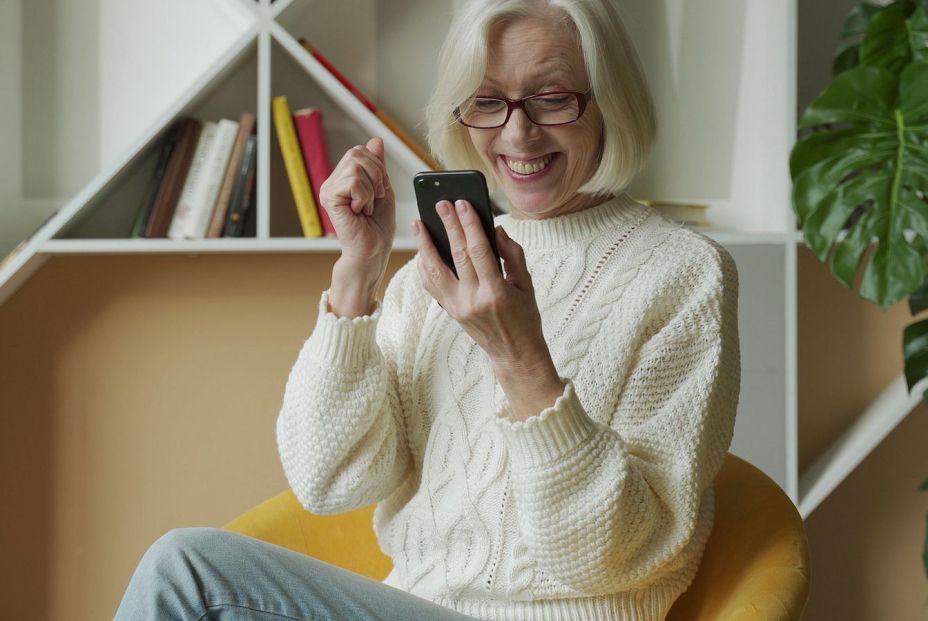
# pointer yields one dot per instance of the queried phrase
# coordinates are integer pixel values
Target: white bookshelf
(724, 80)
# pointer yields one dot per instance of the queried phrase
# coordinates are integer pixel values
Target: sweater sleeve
(340, 431)
(608, 508)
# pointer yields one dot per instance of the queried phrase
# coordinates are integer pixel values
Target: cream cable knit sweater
(598, 508)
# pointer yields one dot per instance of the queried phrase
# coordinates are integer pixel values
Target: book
(380, 114)
(249, 228)
(174, 178)
(689, 214)
(144, 214)
(207, 171)
(296, 168)
(194, 175)
(246, 125)
(311, 135)
(242, 194)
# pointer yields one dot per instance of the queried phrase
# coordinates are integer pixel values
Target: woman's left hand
(499, 313)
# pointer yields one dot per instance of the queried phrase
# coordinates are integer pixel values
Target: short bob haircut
(619, 86)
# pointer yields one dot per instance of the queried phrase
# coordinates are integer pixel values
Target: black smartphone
(452, 185)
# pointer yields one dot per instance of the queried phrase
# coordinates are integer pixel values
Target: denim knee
(173, 551)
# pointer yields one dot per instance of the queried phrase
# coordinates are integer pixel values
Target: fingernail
(442, 208)
(415, 227)
(461, 207)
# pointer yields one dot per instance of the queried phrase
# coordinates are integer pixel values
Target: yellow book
(296, 168)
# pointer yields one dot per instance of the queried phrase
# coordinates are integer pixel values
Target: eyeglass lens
(549, 109)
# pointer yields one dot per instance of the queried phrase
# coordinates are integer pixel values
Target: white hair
(619, 86)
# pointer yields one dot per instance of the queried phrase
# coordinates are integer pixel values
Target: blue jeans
(208, 573)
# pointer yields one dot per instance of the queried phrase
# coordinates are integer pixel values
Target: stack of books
(301, 137)
(204, 181)
(203, 184)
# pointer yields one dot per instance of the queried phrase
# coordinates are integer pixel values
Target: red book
(380, 114)
(325, 62)
(311, 136)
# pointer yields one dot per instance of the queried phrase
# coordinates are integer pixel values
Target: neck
(578, 202)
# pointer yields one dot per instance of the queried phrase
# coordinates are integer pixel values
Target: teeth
(528, 168)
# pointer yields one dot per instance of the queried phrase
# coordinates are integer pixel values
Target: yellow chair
(756, 564)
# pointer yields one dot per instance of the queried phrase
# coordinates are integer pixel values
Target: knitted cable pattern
(597, 508)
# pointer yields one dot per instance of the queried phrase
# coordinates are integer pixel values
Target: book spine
(244, 177)
(144, 215)
(215, 172)
(195, 184)
(407, 140)
(192, 217)
(246, 125)
(174, 179)
(311, 134)
(296, 168)
(247, 209)
(338, 75)
(380, 114)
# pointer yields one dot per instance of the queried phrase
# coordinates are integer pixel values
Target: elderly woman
(542, 443)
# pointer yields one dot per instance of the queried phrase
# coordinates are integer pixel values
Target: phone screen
(470, 185)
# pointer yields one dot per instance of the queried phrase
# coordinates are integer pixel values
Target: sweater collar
(616, 214)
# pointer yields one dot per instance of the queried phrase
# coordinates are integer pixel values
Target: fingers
(375, 145)
(436, 277)
(478, 248)
(457, 241)
(358, 180)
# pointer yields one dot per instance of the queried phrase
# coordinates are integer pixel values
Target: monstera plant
(860, 168)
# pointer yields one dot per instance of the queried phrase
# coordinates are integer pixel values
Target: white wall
(81, 81)
(139, 75)
(18, 216)
(60, 139)
(725, 135)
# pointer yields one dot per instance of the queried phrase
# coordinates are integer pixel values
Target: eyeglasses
(553, 108)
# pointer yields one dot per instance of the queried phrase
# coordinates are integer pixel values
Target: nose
(519, 130)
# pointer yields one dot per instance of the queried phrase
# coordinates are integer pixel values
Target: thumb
(375, 145)
(513, 261)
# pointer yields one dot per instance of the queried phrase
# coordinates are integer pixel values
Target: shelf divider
(263, 180)
(847, 452)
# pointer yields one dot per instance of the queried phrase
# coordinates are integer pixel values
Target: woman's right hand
(360, 202)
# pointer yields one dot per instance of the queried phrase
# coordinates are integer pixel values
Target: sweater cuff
(554, 432)
(343, 342)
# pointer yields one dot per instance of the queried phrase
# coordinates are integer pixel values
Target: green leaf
(918, 33)
(861, 179)
(915, 352)
(847, 57)
(860, 95)
(924, 486)
(918, 299)
(859, 19)
(886, 43)
(823, 225)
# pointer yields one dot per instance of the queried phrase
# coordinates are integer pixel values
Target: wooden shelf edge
(847, 452)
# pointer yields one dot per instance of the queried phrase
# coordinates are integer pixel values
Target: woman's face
(529, 55)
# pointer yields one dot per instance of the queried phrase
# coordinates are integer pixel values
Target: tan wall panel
(866, 538)
(138, 394)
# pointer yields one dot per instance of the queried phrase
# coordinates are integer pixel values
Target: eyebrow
(560, 71)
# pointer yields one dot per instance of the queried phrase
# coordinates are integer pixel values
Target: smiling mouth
(529, 167)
